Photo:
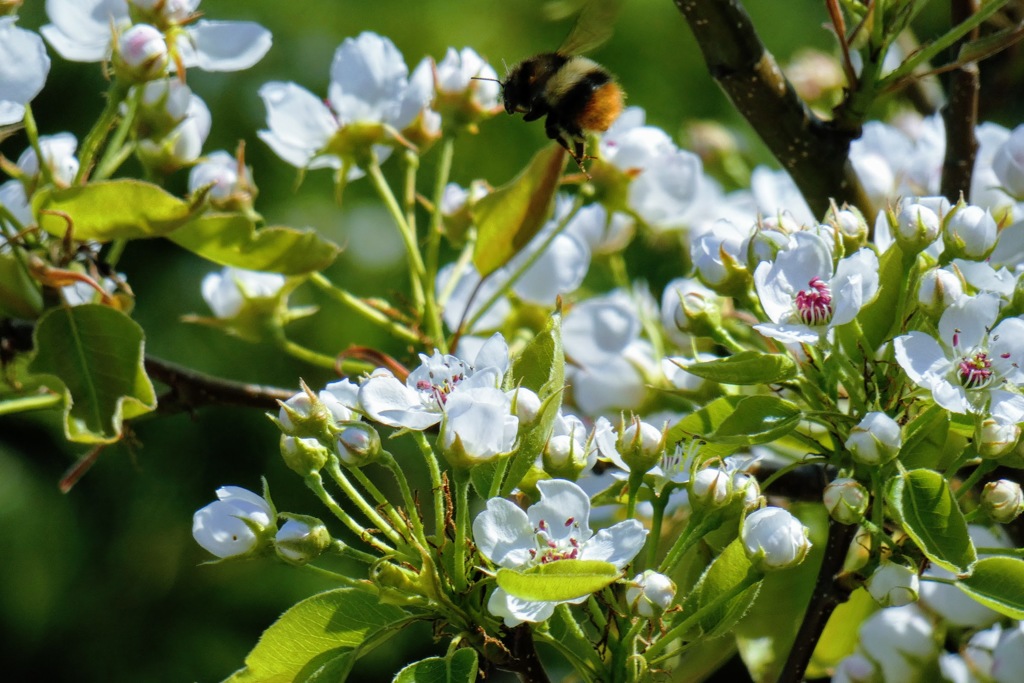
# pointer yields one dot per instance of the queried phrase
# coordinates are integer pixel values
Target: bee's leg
(560, 135)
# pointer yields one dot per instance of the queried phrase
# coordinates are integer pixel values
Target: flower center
(975, 370)
(439, 378)
(550, 549)
(814, 304)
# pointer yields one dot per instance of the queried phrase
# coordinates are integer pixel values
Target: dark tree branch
(813, 151)
(190, 389)
(828, 594)
(962, 114)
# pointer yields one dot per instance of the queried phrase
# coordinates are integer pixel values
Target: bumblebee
(577, 94)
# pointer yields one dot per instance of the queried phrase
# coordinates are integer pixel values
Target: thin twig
(190, 389)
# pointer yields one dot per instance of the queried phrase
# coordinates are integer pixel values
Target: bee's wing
(593, 26)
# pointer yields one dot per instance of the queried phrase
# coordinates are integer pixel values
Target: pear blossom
(228, 526)
(687, 306)
(553, 529)
(23, 69)
(84, 31)
(650, 593)
(58, 157)
(776, 194)
(893, 584)
(718, 255)
(467, 295)
(774, 539)
(464, 71)
(1008, 163)
(805, 298)
(301, 539)
(227, 181)
(967, 367)
(569, 449)
(226, 292)
(368, 89)
(478, 425)
(897, 640)
(420, 401)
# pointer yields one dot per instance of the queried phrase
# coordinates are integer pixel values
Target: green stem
(94, 140)
(32, 131)
(307, 355)
(435, 483)
(382, 501)
(353, 495)
(654, 538)
(345, 550)
(336, 577)
(417, 270)
(364, 310)
(980, 471)
(690, 536)
(316, 484)
(388, 461)
(679, 630)
(26, 403)
(433, 249)
(116, 151)
(461, 477)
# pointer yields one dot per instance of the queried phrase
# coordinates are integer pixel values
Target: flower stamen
(814, 304)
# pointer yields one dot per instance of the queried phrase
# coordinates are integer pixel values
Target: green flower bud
(357, 444)
(303, 456)
(875, 440)
(997, 438)
(1002, 500)
(846, 500)
(301, 539)
(641, 445)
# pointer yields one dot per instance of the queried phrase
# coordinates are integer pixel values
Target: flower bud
(525, 404)
(238, 523)
(997, 438)
(765, 245)
(1002, 500)
(141, 54)
(303, 456)
(358, 444)
(915, 227)
(937, 289)
(301, 539)
(226, 180)
(969, 232)
(711, 488)
(875, 440)
(748, 488)
(1008, 164)
(641, 445)
(478, 426)
(856, 668)
(650, 593)
(305, 415)
(846, 500)
(565, 456)
(851, 227)
(774, 539)
(893, 584)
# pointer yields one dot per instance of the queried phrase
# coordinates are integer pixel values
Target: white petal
(368, 79)
(854, 285)
(970, 319)
(599, 328)
(559, 270)
(515, 611)
(950, 396)
(225, 45)
(921, 358)
(503, 534)
(618, 544)
(1007, 407)
(81, 29)
(563, 505)
(391, 402)
(300, 124)
(493, 354)
(775, 293)
(789, 334)
(23, 69)
(1006, 344)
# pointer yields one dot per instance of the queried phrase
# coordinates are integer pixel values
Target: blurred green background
(105, 583)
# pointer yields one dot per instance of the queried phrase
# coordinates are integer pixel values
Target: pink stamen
(814, 304)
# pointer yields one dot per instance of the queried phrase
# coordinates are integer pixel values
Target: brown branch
(190, 389)
(828, 594)
(962, 114)
(813, 151)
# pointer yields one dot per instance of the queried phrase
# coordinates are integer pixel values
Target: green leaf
(561, 580)
(929, 513)
(540, 367)
(458, 667)
(20, 295)
(110, 209)
(878, 317)
(705, 421)
(925, 439)
(729, 569)
(316, 636)
(757, 419)
(746, 368)
(997, 583)
(231, 239)
(840, 637)
(508, 218)
(95, 354)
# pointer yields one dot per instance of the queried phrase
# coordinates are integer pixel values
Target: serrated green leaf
(997, 583)
(95, 355)
(746, 368)
(699, 424)
(508, 218)
(458, 667)
(757, 419)
(728, 570)
(110, 209)
(925, 439)
(231, 239)
(561, 580)
(879, 316)
(308, 638)
(929, 513)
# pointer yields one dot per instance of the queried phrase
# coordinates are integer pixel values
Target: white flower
(604, 234)
(966, 367)
(569, 447)
(718, 255)
(650, 593)
(180, 146)
(219, 171)
(875, 440)
(937, 289)
(478, 425)
(142, 51)
(1008, 656)
(226, 292)
(298, 540)
(893, 584)
(774, 539)
(846, 500)
(802, 295)
(683, 300)
(369, 83)
(58, 155)
(419, 402)
(855, 668)
(225, 527)
(1008, 163)
(464, 70)
(23, 69)
(898, 640)
(1003, 500)
(83, 31)
(600, 328)
(711, 487)
(468, 295)
(555, 528)
(970, 232)
(776, 194)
